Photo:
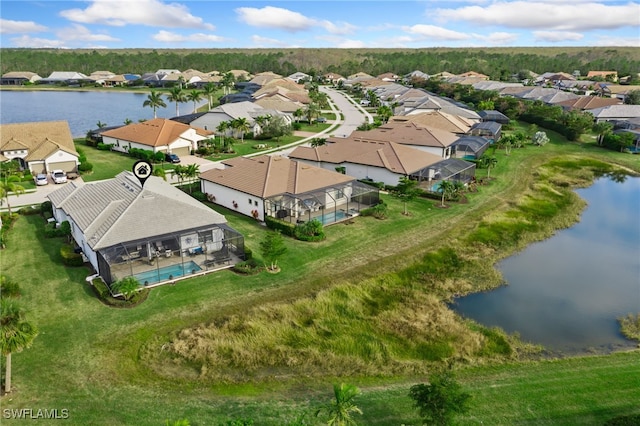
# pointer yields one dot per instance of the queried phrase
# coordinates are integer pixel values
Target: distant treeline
(498, 63)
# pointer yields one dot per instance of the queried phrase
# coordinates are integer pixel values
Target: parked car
(172, 158)
(59, 176)
(41, 179)
(321, 120)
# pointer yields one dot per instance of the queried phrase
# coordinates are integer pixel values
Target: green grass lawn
(90, 358)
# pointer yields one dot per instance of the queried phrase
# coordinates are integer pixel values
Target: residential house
(155, 233)
(39, 146)
(493, 115)
(584, 103)
(382, 161)
(469, 147)
(333, 78)
(286, 189)
(606, 75)
(438, 120)
(415, 76)
(18, 78)
(68, 77)
(388, 77)
(432, 140)
(157, 135)
(488, 129)
(616, 113)
(299, 77)
(618, 91)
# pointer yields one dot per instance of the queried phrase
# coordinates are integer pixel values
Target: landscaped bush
(248, 253)
(28, 211)
(248, 267)
(69, 256)
(142, 154)
(104, 146)
(51, 231)
(310, 231)
(199, 195)
(85, 167)
(104, 294)
(45, 207)
(379, 211)
(280, 225)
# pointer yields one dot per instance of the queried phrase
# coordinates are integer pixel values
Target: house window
(250, 201)
(339, 193)
(255, 203)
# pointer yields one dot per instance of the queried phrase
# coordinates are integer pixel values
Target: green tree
(128, 286)
(312, 111)
(101, 125)
(16, 334)
(159, 172)
(209, 90)
(490, 163)
(194, 96)
(191, 172)
(276, 127)
(298, 114)
(384, 112)
(176, 94)
(406, 190)
(441, 399)
(154, 101)
(222, 129)
(179, 171)
(446, 188)
(540, 139)
(7, 188)
(240, 125)
(602, 128)
(316, 142)
(227, 82)
(632, 97)
(272, 248)
(342, 408)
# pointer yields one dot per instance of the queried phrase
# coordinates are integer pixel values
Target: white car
(59, 176)
(41, 179)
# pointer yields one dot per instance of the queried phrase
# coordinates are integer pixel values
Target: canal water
(567, 292)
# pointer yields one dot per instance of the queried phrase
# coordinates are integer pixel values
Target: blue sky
(333, 24)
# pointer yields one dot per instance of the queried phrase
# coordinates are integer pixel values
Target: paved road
(353, 115)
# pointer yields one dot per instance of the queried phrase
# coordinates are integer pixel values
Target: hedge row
(285, 228)
(69, 256)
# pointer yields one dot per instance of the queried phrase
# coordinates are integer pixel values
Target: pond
(567, 292)
(82, 110)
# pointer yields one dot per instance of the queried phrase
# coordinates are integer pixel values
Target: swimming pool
(167, 273)
(332, 217)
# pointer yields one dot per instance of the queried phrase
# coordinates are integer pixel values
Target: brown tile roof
(266, 176)
(388, 155)
(589, 102)
(156, 132)
(279, 105)
(408, 133)
(39, 138)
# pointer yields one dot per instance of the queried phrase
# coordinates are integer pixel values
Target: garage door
(181, 152)
(67, 166)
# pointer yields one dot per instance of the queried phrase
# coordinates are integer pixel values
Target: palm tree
(446, 188)
(154, 101)
(179, 171)
(227, 82)
(222, 129)
(16, 334)
(312, 111)
(101, 125)
(176, 95)
(384, 112)
(316, 142)
(406, 190)
(297, 114)
(340, 410)
(127, 286)
(209, 90)
(491, 163)
(240, 125)
(9, 187)
(127, 121)
(194, 96)
(191, 172)
(602, 128)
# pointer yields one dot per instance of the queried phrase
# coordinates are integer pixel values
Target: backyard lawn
(90, 358)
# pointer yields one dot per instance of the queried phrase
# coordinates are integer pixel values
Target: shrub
(85, 167)
(310, 231)
(199, 195)
(46, 207)
(69, 256)
(248, 267)
(101, 290)
(158, 157)
(104, 146)
(280, 225)
(379, 211)
(28, 211)
(248, 253)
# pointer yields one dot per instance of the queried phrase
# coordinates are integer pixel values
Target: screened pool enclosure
(172, 256)
(328, 205)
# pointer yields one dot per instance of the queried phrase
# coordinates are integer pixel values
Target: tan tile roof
(409, 133)
(388, 155)
(437, 120)
(156, 132)
(40, 138)
(266, 176)
(279, 105)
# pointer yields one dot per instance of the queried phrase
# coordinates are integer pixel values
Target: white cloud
(617, 41)
(170, 37)
(275, 17)
(32, 42)
(260, 41)
(556, 15)
(151, 13)
(556, 36)
(288, 20)
(498, 38)
(351, 44)
(15, 27)
(436, 33)
(79, 32)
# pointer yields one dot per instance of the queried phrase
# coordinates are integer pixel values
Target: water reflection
(566, 292)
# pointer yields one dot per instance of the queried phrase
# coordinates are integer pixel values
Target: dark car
(172, 158)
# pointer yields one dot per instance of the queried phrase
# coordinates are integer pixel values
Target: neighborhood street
(353, 115)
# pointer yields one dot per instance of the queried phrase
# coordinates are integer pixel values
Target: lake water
(566, 293)
(81, 109)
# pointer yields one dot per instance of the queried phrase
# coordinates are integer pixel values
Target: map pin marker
(142, 170)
